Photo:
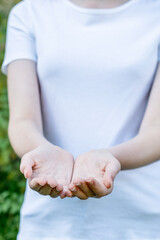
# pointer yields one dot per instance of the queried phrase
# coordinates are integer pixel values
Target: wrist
(35, 143)
(115, 156)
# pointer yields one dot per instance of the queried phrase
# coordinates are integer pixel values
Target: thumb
(112, 169)
(27, 163)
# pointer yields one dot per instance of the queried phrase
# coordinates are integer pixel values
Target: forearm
(24, 136)
(139, 151)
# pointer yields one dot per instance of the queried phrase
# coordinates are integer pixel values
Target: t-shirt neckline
(99, 10)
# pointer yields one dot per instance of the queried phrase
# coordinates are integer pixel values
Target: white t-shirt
(96, 68)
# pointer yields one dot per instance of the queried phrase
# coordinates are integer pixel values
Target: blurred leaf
(12, 182)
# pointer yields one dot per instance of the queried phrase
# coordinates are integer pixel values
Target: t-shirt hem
(72, 238)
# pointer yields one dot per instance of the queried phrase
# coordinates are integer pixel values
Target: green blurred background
(12, 182)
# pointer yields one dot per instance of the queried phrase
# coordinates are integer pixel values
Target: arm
(25, 124)
(99, 168)
(145, 147)
(47, 166)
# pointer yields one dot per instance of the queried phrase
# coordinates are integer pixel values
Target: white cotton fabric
(95, 68)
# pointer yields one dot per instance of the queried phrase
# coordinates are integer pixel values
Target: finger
(45, 190)
(55, 190)
(108, 181)
(36, 183)
(62, 184)
(70, 187)
(78, 193)
(68, 193)
(26, 165)
(82, 185)
(49, 188)
(52, 183)
(98, 188)
(65, 192)
(112, 169)
(54, 193)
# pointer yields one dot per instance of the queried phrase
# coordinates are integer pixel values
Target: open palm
(49, 169)
(94, 173)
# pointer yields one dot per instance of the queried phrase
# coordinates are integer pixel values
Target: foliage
(12, 183)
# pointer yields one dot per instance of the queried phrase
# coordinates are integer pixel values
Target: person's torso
(95, 70)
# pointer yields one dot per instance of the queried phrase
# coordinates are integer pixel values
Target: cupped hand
(48, 169)
(94, 173)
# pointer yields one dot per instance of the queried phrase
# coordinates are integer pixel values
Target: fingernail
(69, 194)
(78, 184)
(90, 181)
(58, 190)
(62, 196)
(74, 190)
(109, 185)
(25, 173)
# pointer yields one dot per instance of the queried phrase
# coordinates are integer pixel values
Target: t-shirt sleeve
(20, 40)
